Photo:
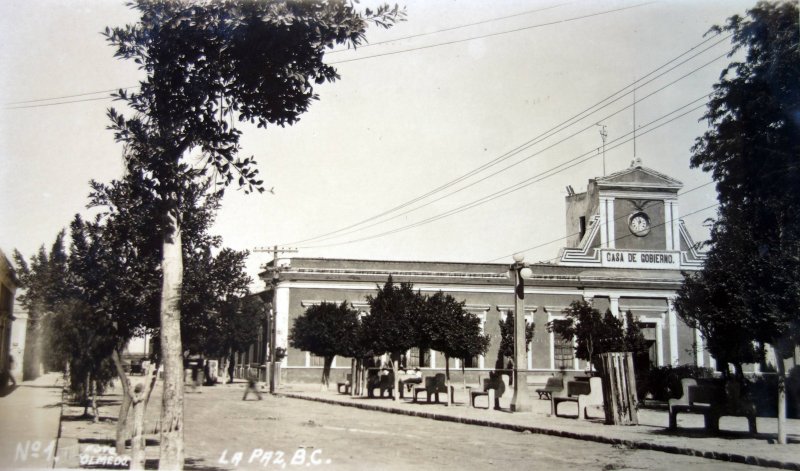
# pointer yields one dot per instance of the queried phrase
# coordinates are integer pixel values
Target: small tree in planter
(326, 330)
(506, 348)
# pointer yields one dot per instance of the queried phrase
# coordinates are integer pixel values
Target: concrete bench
(714, 400)
(493, 388)
(346, 384)
(433, 386)
(584, 394)
(554, 385)
(384, 383)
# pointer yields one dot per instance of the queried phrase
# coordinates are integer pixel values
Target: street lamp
(520, 402)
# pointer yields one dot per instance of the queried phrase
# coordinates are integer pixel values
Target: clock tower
(629, 219)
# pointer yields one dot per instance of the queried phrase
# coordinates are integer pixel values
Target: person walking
(252, 385)
(10, 370)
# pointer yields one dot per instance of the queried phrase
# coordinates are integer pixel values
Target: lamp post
(520, 402)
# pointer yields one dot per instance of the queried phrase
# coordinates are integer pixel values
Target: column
(610, 223)
(660, 341)
(613, 306)
(676, 239)
(668, 224)
(607, 223)
(282, 318)
(672, 322)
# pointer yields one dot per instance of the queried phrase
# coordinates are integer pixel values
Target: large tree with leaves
(205, 63)
(326, 330)
(752, 149)
(447, 327)
(391, 326)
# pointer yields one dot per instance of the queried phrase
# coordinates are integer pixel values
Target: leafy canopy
(750, 288)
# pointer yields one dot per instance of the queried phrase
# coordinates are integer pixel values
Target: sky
(459, 85)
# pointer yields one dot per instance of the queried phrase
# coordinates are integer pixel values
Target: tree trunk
(87, 383)
(447, 378)
(353, 377)
(140, 397)
(171, 455)
(326, 373)
(137, 438)
(95, 411)
(395, 358)
(122, 424)
(122, 420)
(781, 398)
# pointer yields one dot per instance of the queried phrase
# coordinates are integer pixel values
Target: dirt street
(224, 432)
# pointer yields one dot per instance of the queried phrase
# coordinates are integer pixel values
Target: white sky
(393, 128)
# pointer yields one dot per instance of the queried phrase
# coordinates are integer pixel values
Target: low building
(625, 250)
(13, 323)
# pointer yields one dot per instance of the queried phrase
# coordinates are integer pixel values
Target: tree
(506, 348)
(237, 318)
(752, 149)
(44, 282)
(326, 330)
(712, 300)
(445, 326)
(391, 326)
(205, 63)
(594, 334)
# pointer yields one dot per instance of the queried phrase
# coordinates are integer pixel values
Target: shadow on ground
(193, 464)
(700, 432)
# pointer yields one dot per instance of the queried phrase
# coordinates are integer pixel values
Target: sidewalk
(733, 444)
(30, 422)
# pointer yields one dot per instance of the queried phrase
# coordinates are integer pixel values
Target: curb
(67, 448)
(634, 444)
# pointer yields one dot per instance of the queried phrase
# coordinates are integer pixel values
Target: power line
(537, 153)
(518, 186)
(552, 259)
(42, 105)
(545, 244)
(447, 43)
(447, 29)
(542, 136)
(347, 60)
(69, 96)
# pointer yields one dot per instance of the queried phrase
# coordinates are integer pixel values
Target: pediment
(639, 177)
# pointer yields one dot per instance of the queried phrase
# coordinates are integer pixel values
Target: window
(564, 353)
(582, 227)
(419, 359)
(649, 332)
(472, 362)
(316, 361)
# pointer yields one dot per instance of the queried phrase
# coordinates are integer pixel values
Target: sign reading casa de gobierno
(640, 259)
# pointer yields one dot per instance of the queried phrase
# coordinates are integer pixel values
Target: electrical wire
(8, 105)
(539, 138)
(452, 28)
(447, 43)
(545, 244)
(520, 185)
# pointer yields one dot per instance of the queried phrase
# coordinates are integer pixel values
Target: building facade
(13, 323)
(625, 250)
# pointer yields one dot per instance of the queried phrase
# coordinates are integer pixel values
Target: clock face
(639, 224)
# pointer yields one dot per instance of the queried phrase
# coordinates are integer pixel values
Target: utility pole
(603, 136)
(274, 311)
